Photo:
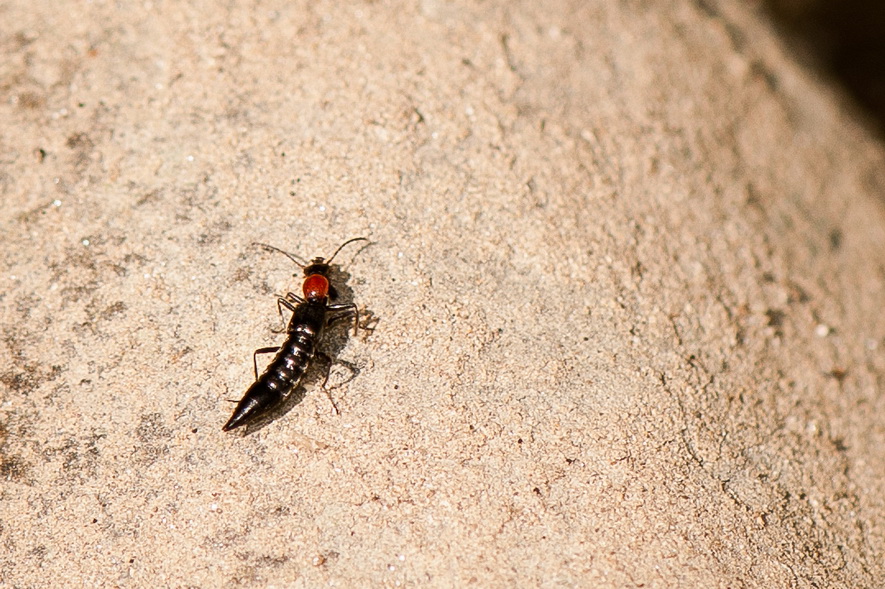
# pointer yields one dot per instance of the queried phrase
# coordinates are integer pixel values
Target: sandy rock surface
(626, 265)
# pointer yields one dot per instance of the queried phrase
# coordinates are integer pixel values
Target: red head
(316, 288)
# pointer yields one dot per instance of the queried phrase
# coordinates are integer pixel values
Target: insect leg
(351, 368)
(261, 351)
(328, 362)
(284, 302)
(348, 311)
(293, 298)
(369, 321)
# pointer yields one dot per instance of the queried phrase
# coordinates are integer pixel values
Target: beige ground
(628, 269)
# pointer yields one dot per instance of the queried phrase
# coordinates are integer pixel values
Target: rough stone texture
(628, 271)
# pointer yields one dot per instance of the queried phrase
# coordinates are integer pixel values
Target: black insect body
(310, 317)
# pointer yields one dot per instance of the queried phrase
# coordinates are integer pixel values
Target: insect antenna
(340, 247)
(287, 254)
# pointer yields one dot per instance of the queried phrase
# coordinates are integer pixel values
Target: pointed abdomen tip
(234, 422)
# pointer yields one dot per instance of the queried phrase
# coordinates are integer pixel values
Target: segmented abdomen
(291, 362)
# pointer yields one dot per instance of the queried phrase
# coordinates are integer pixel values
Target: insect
(311, 315)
